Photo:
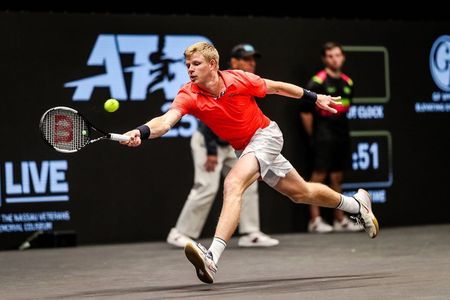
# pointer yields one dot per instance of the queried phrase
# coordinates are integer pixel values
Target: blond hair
(206, 49)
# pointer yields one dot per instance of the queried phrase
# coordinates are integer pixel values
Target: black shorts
(331, 154)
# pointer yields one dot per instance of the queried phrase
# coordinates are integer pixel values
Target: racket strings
(65, 130)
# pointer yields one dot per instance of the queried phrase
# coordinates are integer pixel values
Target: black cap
(244, 50)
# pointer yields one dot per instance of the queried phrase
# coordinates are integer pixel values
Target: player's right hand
(135, 138)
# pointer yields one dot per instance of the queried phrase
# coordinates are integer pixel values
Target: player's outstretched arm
(154, 128)
(290, 90)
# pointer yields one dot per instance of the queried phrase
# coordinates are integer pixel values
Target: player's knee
(232, 186)
(303, 193)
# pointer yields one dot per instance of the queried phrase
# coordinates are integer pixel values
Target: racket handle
(119, 137)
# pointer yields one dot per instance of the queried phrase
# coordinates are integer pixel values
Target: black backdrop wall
(109, 193)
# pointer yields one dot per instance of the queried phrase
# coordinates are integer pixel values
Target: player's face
(199, 70)
(247, 64)
(334, 59)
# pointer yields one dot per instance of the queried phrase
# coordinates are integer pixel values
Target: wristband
(145, 131)
(309, 96)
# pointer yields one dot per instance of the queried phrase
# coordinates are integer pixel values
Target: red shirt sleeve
(183, 102)
(256, 85)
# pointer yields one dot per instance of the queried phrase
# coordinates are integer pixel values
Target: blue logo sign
(158, 63)
(440, 62)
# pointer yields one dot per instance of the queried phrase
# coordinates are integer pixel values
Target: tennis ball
(111, 105)
(83, 132)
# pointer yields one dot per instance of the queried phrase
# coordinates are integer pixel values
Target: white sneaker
(365, 217)
(319, 226)
(202, 260)
(346, 225)
(177, 239)
(257, 239)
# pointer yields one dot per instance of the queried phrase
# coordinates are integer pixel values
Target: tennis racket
(67, 131)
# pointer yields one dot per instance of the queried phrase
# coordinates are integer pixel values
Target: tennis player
(225, 102)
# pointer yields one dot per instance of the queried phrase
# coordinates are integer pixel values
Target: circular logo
(440, 62)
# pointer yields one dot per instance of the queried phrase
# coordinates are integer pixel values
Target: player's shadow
(255, 287)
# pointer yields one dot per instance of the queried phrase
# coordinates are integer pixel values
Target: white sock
(217, 247)
(349, 204)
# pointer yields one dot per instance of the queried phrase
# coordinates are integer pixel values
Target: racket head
(64, 129)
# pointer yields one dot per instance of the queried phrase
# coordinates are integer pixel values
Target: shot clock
(371, 160)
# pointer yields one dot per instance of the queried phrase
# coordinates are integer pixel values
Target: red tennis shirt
(234, 116)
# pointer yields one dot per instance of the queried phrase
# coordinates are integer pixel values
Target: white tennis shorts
(266, 144)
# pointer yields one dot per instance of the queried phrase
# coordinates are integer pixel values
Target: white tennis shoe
(202, 260)
(365, 217)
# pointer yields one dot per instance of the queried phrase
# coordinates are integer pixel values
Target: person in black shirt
(330, 134)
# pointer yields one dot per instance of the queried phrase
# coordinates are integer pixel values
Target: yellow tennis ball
(111, 105)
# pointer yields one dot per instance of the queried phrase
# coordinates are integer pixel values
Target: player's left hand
(325, 101)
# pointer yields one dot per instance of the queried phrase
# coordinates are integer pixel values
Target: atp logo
(158, 64)
(440, 62)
